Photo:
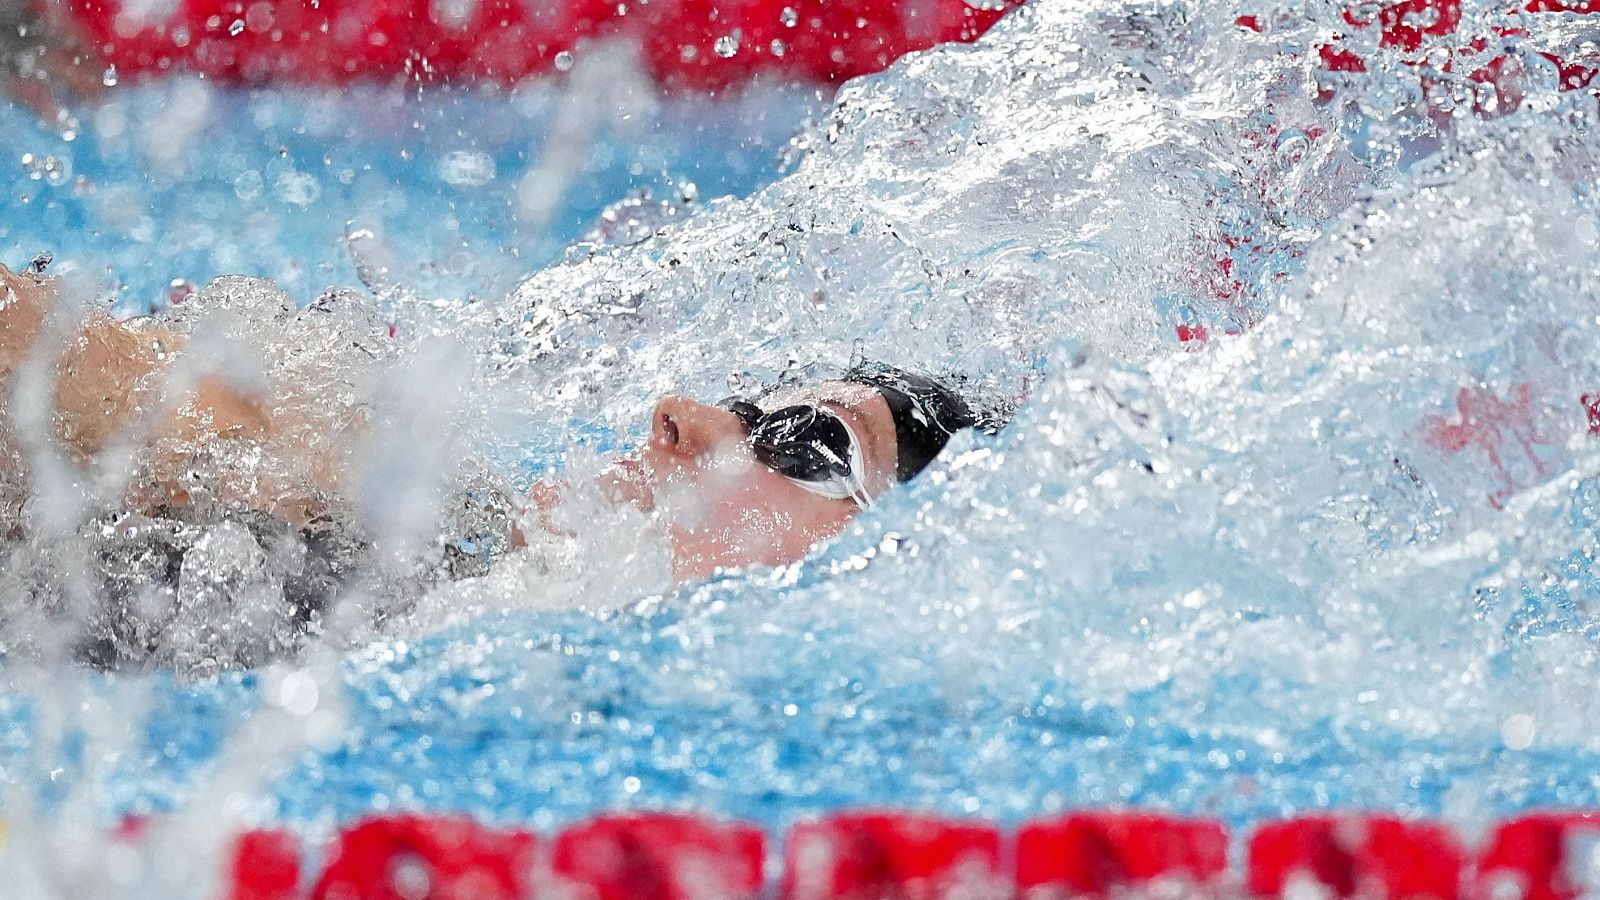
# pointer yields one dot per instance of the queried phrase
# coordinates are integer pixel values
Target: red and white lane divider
(685, 43)
(698, 44)
(869, 856)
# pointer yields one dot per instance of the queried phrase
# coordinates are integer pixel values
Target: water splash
(1297, 511)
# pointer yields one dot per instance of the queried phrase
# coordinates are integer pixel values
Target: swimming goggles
(810, 445)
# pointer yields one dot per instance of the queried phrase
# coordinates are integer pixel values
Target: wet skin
(721, 507)
(697, 473)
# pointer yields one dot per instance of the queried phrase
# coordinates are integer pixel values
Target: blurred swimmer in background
(44, 60)
(753, 481)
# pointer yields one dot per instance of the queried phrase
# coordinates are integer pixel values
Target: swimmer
(761, 481)
(44, 58)
(744, 482)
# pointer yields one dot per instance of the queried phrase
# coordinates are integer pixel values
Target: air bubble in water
(237, 28)
(728, 45)
(564, 61)
(789, 17)
(109, 79)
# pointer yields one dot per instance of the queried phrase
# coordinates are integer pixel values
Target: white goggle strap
(851, 488)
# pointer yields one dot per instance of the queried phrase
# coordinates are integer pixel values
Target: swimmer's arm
(22, 308)
(46, 59)
(103, 370)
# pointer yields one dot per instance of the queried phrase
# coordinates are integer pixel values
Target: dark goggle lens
(802, 442)
(748, 413)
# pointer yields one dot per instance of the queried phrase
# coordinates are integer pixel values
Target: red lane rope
(695, 44)
(857, 856)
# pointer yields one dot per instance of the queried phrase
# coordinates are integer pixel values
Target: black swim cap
(925, 412)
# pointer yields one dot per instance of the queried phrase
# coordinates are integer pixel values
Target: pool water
(183, 180)
(1337, 553)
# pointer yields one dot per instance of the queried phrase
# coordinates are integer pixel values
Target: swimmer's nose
(689, 428)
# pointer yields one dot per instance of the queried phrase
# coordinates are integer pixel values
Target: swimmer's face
(721, 506)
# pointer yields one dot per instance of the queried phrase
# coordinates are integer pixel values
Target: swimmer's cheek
(99, 382)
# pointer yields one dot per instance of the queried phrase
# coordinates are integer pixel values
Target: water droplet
(297, 694)
(1517, 731)
(109, 78)
(1292, 146)
(298, 188)
(260, 17)
(467, 168)
(53, 170)
(248, 185)
(412, 879)
(779, 48)
(789, 17)
(178, 291)
(456, 14)
(564, 61)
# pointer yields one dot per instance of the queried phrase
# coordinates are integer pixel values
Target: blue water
(1239, 580)
(187, 181)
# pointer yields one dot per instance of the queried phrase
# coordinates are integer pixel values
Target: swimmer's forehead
(831, 393)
